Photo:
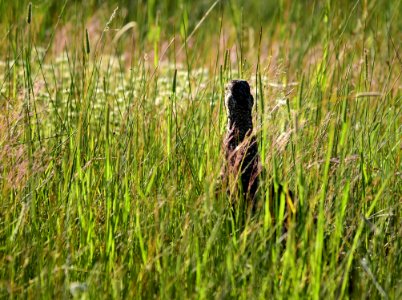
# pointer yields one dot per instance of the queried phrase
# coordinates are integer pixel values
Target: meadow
(112, 119)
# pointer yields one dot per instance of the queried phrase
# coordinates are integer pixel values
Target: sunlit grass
(111, 150)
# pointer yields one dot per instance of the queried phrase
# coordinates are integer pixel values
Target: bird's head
(238, 98)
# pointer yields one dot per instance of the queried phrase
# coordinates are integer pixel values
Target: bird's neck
(238, 128)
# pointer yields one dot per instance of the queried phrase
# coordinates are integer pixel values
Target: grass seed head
(87, 46)
(29, 15)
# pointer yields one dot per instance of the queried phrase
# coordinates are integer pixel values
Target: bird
(242, 172)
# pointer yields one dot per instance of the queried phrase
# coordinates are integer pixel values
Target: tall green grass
(111, 149)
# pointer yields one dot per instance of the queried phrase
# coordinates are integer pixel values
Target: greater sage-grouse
(242, 170)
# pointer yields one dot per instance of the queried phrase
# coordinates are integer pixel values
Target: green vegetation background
(111, 128)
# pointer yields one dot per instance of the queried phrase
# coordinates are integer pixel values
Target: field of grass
(111, 126)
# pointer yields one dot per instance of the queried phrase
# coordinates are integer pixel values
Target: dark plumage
(241, 150)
